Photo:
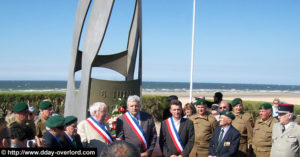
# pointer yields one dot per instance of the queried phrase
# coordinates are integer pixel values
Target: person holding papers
(176, 133)
(137, 127)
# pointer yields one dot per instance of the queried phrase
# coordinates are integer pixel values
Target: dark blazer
(67, 143)
(186, 134)
(232, 139)
(125, 132)
(50, 141)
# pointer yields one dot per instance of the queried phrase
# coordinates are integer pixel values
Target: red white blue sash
(174, 135)
(137, 129)
(100, 129)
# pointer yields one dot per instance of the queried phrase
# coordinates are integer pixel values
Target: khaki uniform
(297, 120)
(204, 128)
(285, 144)
(40, 127)
(28, 126)
(262, 137)
(243, 123)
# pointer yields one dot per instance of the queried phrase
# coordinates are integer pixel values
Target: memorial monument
(92, 89)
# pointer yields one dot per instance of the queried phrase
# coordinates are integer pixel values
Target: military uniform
(204, 128)
(40, 127)
(27, 126)
(243, 123)
(262, 137)
(285, 144)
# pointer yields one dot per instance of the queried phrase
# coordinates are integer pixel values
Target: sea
(154, 87)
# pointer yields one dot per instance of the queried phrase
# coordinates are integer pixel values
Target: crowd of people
(199, 129)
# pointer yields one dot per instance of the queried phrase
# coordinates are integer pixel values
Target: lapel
(68, 139)
(226, 135)
(142, 119)
(292, 125)
(181, 125)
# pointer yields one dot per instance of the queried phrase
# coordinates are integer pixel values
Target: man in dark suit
(52, 136)
(71, 139)
(137, 127)
(176, 134)
(226, 139)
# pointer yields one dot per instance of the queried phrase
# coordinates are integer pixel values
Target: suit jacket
(230, 142)
(90, 137)
(125, 132)
(67, 143)
(286, 143)
(50, 141)
(186, 134)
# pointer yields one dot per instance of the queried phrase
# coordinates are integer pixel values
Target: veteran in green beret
(20, 116)
(225, 140)
(243, 122)
(204, 124)
(71, 139)
(45, 112)
(262, 132)
(55, 132)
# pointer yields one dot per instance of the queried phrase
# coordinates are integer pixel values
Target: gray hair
(95, 107)
(120, 149)
(134, 98)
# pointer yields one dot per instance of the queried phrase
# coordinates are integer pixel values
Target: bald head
(224, 106)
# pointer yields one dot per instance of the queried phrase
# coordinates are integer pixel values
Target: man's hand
(145, 154)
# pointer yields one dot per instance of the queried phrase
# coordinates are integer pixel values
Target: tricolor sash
(174, 135)
(100, 129)
(137, 129)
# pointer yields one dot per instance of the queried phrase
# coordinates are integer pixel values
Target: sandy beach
(293, 98)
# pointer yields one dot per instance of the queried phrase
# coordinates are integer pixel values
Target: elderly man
(20, 117)
(71, 139)
(55, 132)
(94, 132)
(46, 112)
(224, 106)
(176, 133)
(286, 134)
(204, 124)
(120, 149)
(244, 124)
(226, 139)
(137, 127)
(262, 132)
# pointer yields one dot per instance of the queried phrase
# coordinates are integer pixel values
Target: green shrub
(154, 105)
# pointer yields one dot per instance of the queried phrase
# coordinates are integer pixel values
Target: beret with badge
(55, 121)
(19, 107)
(265, 106)
(236, 101)
(228, 114)
(70, 120)
(200, 102)
(44, 105)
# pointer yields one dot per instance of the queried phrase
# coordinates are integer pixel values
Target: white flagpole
(192, 55)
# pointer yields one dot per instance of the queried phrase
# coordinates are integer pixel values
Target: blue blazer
(50, 141)
(229, 145)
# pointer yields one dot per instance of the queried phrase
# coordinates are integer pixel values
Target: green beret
(200, 102)
(19, 107)
(236, 101)
(228, 114)
(70, 119)
(44, 105)
(265, 106)
(55, 121)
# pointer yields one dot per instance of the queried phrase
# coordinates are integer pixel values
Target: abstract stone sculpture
(92, 90)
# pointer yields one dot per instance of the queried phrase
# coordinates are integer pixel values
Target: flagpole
(192, 54)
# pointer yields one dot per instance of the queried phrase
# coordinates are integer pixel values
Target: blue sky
(249, 41)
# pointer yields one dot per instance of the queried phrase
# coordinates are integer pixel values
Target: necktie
(283, 128)
(220, 141)
(74, 143)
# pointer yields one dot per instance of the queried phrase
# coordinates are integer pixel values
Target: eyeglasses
(222, 108)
